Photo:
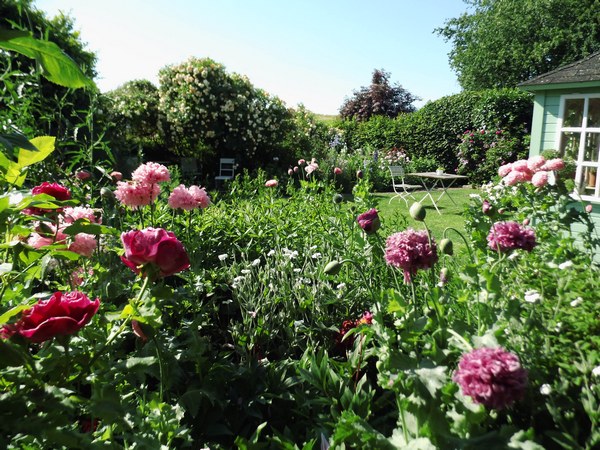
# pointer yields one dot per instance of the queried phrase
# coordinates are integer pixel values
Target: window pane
(573, 112)
(587, 184)
(569, 144)
(592, 142)
(594, 113)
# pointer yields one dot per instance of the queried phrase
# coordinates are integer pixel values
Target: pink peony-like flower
(46, 234)
(273, 183)
(410, 250)
(115, 175)
(510, 235)
(202, 198)
(62, 314)
(84, 244)
(134, 194)
(505, 169)
(182, 198)
(536, 163)
(154, 247)
(540, 179)
(369, 221)
(312, 167)
(337, 171)
(554, 164)
(517, 176)
(151, 173)
(492, 377)
(71, 214)
(521, 165)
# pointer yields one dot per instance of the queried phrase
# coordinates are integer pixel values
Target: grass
(452, 215)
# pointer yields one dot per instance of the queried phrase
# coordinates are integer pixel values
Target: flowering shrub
(480, 152)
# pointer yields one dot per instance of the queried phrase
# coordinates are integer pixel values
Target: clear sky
(314, 52)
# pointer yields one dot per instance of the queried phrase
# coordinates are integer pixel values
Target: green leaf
(16, 140)
(82, 226)
(12, 312)
(10, 355)
(144, 361)
(55, 64)
(14, 170)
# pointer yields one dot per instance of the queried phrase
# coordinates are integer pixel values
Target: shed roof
(586, 71)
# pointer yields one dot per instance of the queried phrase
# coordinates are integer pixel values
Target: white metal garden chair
(401, 187)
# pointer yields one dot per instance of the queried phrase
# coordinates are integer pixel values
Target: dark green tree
(500, 43)
(380, 98)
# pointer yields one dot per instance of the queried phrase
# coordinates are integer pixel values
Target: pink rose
(554, 164)
(58, 191)
(60, 315)
(154, 249)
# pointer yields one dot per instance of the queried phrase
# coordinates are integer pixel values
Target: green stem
(160, 367)
(463, 238)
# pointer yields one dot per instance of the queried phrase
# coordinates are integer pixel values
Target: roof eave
(557, 86)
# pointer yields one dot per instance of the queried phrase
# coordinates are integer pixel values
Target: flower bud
(359, 174)
(444, 276)
(417, 212)
(446, 247)
(588, 208)
(107, 193)
(333, 268)
(338, 198)
(486, 208)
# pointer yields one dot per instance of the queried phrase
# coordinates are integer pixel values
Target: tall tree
(500, 43)
(380, 98)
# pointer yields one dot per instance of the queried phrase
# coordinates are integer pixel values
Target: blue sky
(314, 52)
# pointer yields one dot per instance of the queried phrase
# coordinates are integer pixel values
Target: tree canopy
(501, 43)
(380, 98)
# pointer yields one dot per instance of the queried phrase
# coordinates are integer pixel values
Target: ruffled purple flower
(492, 377)
(506, 236)
(410, 250)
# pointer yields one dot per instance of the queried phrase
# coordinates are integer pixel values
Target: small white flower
(316, 255)
(341, 286)
(474, 196)
(256, 262)
(271, 253)
(596, 371)
(552, 265)
(545, 389)
(513, 255)
(252, 314)
(223, 257)
(532, 296)
(565, 265)
(296, 270)
(578, 301)
(245, 271)
(558, 327)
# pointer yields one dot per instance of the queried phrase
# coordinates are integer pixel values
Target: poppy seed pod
(333, 268)
(417, 212)
(446, 247)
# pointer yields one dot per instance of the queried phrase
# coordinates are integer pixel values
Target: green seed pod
(338, 198)
(333, 268)
(417, 212)
(446, 247)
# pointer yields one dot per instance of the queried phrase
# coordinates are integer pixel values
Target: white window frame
(583, 130)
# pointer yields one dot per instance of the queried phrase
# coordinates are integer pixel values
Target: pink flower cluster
(188, 198)
(492, 377)
(81, 243)
(535, 170)
(410, 250)
(144, 188)
(510, 235)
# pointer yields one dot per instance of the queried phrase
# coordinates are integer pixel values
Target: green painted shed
(566, 117)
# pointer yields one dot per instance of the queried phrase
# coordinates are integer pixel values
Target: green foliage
(436, 130)
(379, 99)
(500, 43)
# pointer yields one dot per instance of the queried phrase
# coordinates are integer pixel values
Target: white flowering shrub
(205, 109)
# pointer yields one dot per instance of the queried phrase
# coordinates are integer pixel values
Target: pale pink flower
(84, 244)
(301, 162)
(410, 250)
(517, 176)
(536, 163)
(337, 171)
(273, 183)
(134, 194)
(296, 169)
(540, 179)
(182, 198)
(520, 165)
(492, 377)
(36, 240)
(310, 168)
(510, 235)
(554, 164)
(588, 208)
(71, 214)
(290, 171)
(118, 176)
(504, 170)
(151, 173)
(200, 195)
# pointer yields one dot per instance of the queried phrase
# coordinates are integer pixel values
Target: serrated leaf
(55, 64)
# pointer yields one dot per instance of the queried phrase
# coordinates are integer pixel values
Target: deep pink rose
(155, 247)
(369, 221)
(58, 191)
(60, 315)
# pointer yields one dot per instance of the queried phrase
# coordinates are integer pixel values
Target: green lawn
(452, 215)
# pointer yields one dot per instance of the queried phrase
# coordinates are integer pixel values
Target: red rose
(60, 315)
(369, 221)
(58, 191)
(156, 247)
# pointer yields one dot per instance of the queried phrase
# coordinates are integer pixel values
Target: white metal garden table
(443, 181)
